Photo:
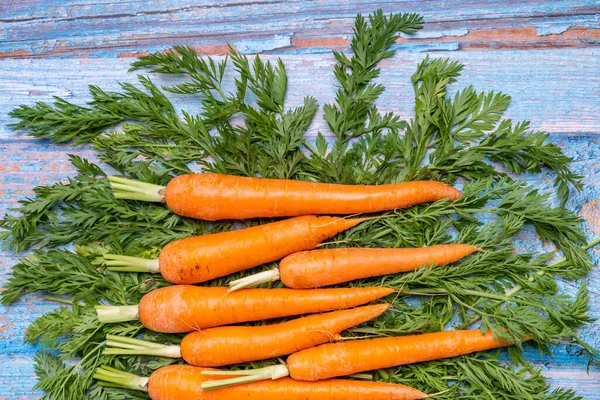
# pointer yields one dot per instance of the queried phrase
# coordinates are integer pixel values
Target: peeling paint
(254, 46)
(430, 34)
(590, 211)
(4, 328)
(424, 47)
(14, 53)
(306, 50)
(133, 54)
(552, 29)
(76, 29)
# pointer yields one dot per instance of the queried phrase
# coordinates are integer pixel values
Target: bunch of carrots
(317, 352)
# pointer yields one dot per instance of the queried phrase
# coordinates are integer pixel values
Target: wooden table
(543, 53)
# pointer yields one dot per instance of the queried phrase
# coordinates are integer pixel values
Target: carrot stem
(111, 314)
(364, 377)
(112, 377)
(60, 300)
(120, 345)
(502, 297)
(134, 190)
(271, 275)
(121, 263)
(273, 372)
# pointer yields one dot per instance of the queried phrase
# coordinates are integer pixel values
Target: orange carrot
(183, 382)
(317, 268)
(351, 357)
(184, 308)
(227, 345)
(212, 196)
(202, 258)
(347, 358)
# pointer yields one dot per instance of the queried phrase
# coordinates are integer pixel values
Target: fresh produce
(183, 382)
(202, 258)
(185, 308)
(213, 197)
(317, 268)
(225, 345)
(350, 357)
(249, 123)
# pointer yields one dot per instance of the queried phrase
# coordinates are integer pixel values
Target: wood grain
(75, 28)
(543, 53)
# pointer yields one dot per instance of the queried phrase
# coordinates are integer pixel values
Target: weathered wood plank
(556, 89)
(78, 28)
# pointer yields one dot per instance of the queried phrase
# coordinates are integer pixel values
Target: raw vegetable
(317, 268)
(202, 258)
(185, 308)
(350, 357)
(227, 345)
(213, 197)
(183, 382)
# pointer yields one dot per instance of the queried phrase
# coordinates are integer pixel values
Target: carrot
(185, 308)
(347, 358)
(202, 258)
(183, 382)
(317, 268)
(212, 196)
(227, 345)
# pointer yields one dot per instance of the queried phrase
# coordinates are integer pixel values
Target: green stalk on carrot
(184, 382)
(350, 357)
(227, 345)
(213, 197)
(185, 308)
(317, 268)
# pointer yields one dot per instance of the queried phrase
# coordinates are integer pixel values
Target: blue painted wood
(542, 53)
(63, 28)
